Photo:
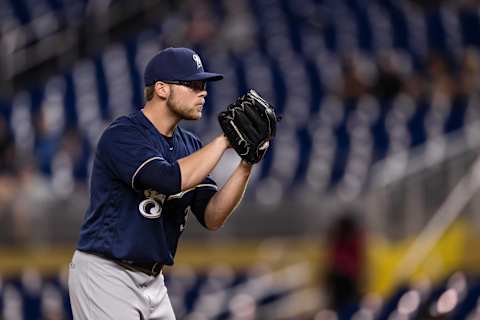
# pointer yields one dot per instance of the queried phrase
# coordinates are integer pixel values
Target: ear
(162, 89)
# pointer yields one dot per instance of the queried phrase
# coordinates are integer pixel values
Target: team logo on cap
(197, 60)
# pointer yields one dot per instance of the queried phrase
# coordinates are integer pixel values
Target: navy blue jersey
(126, 222)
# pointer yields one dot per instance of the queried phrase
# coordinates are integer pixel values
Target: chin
(193, 117)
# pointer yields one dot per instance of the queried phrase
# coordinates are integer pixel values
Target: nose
(203, 93)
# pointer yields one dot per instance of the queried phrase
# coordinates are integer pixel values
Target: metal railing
(408, 189)
(53, 40)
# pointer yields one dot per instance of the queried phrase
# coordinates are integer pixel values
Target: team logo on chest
(151, 207)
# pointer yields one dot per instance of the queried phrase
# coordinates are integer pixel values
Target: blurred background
(366, 206)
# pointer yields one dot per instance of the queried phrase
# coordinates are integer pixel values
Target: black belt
(150, 268)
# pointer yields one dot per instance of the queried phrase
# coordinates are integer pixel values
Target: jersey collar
(146, 123)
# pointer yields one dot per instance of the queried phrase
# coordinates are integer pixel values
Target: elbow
(214, 225)
(215, 220)
(215, 214)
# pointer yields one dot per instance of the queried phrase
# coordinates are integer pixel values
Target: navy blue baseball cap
(177, 64)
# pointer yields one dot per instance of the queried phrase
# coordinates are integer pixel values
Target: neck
(159, 115)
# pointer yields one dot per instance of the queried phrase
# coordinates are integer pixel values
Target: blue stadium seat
(296, 64)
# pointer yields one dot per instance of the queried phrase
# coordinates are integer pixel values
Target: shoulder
(122, 128)
(126, 121)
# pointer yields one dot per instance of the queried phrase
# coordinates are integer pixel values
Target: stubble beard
(179, 110)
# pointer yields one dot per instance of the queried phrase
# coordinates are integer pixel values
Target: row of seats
(327, 140)
(223, 293)
(23, 12)
(32, 296)
(322, 147)
(361, 22)
(194, 294)
(375, 25)
(455, 297)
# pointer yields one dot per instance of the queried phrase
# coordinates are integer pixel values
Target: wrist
(245, 165)
(223, 141)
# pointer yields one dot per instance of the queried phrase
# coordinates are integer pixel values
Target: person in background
(345, 262)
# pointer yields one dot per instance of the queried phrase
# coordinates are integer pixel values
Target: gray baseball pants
(101, 289)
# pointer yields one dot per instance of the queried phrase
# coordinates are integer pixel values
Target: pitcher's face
(186, 100)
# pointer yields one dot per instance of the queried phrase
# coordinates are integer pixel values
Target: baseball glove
(249, 124)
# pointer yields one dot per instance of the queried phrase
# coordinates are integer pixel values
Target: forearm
(196, 167)
(224, 202)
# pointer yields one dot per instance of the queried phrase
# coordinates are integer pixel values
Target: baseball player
(148, 175)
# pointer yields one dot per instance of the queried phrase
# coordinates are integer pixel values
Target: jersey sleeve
(125, 150)
(203, 193)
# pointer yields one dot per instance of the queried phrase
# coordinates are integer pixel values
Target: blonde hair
(148, 92)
